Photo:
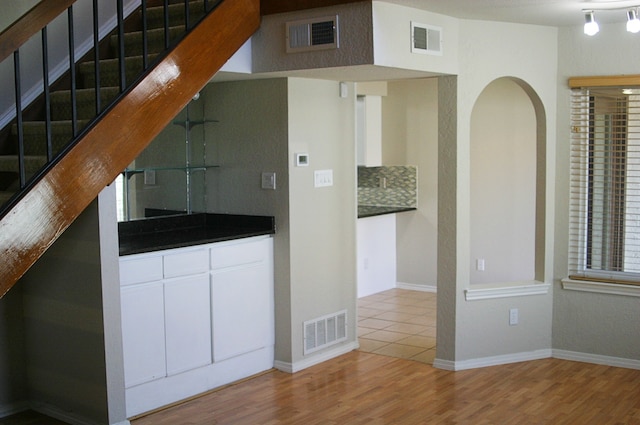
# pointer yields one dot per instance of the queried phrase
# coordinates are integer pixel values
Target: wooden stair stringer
(55, 201)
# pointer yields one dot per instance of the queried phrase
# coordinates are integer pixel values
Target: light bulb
(590, 25)
(633, 23)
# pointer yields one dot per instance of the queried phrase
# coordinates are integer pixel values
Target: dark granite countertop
(157, 233)
(372, 210)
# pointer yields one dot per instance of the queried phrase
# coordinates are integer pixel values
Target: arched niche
(508, 139)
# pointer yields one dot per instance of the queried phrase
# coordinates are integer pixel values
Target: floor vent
(325, 331)
(426, 39)
(312, 34)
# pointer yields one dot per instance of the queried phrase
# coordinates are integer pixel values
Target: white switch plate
(269, 181)
(322, 178)
(150, 177)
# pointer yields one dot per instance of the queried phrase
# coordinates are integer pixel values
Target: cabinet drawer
(140, 269)
(185, 263)
(238, 254)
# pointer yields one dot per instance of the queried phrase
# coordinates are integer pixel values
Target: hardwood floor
(367, 388)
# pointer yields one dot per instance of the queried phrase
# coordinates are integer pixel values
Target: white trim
(516, 289)
(601, 287)
(444, 364)
(493, 360)
(13, 408)
(417, 287)
(597, 359)
(314, 360)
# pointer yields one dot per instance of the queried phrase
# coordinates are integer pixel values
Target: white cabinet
(143, 332)
(376, 254)
(187, 313)
(195, 318)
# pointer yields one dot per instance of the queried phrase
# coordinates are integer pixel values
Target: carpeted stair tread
(85, 102)
(155, 15)
(34, 135)
(155, 40)
(5, 196)
(110, 71)
(9, 163)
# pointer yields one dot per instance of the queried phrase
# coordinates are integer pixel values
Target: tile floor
(398, 323)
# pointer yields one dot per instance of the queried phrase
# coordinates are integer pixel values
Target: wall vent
(312, 34)
(325, 331)
(426, 39)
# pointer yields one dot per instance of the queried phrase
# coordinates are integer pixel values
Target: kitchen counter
(372, 210)
(167, 232)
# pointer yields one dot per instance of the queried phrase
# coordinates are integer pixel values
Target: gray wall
(584, 322)
(251, 137)
(72, 327)
(13, 389)
(262, 124)
(410, 136)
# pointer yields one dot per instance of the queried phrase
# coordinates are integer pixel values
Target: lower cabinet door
(242, 311)
(143, 333)
(188, 323)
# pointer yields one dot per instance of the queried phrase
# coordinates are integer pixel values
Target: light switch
(322, 178)
(269, 180)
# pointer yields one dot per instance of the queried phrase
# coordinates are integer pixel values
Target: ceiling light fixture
(633, 23)
(590, 25)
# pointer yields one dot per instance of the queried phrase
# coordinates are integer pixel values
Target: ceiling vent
(426, 39)
(312, 34)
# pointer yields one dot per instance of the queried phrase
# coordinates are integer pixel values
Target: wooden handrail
(63, 193)
(38, 17)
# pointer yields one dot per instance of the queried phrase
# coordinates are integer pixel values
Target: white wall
(598, 324)
(410, 136)
(503, 184)
(323, 220)
(488, 51)
(392, 39)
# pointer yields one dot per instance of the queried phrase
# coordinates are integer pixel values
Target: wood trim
(604, 81)
(29, 24)
(64, 192)
(270, 7)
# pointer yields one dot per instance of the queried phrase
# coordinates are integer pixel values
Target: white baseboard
(416, 287)
(597, 359)
(13, 408)
(317, 359)
(492, 361)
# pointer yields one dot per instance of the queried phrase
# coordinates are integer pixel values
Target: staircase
(90, 142)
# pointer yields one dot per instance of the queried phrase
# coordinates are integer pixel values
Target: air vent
(312, 34)
(426, 39)
(325, 331)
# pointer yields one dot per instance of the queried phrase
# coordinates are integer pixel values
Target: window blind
(604, 233)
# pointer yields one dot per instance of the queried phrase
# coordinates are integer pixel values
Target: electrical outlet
(513, 317)
(480, 264)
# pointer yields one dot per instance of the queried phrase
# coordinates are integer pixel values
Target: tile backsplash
(392, 186)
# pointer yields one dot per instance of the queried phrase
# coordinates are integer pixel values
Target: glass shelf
(129, 172)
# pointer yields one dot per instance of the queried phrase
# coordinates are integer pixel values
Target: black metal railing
(52, 132)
